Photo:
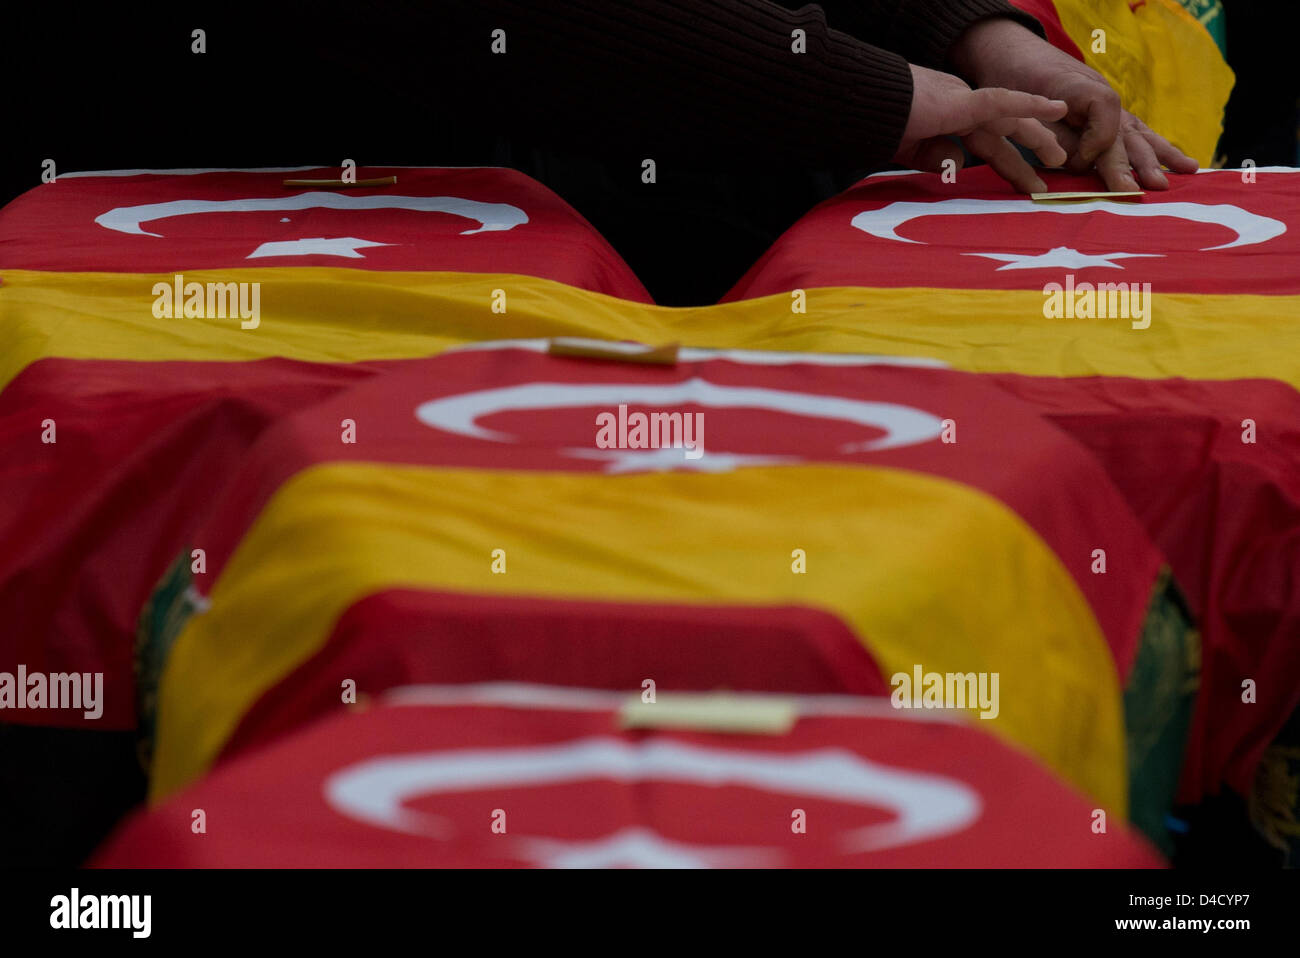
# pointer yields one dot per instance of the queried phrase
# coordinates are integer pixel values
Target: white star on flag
(1060, 256)
(316, 246)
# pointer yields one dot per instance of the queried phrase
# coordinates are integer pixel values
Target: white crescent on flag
(925, 806)
(1251, 228)
(458, 414)
(491, 217)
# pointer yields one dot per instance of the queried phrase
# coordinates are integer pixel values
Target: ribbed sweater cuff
(867, 113)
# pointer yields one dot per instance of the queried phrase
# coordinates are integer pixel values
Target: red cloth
(475, 220)
(1224, 511)
(422, 785)
(1005, 451)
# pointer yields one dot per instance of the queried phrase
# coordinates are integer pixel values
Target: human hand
(943, 105)
(1097, 130)
(1136, 148)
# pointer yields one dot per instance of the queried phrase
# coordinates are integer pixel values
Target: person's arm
(922, 31)
(724, 81)
(704, 82)
(1097, 131)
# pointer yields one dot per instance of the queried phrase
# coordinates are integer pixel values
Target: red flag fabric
(1077, 599)
(1206, 452)
(92, 520)
(1208, 233)
(477, 776)
(474, 220)
(119, 423)
(1227, 514)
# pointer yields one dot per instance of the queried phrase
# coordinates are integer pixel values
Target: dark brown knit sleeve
(727, 79)
(714, 81)
(922, 31)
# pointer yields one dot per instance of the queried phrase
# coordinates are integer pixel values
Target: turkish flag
(476, 220)
(381, 554)
(477, 776)
(1208, 233)
(118, 425)
(1204, 448)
